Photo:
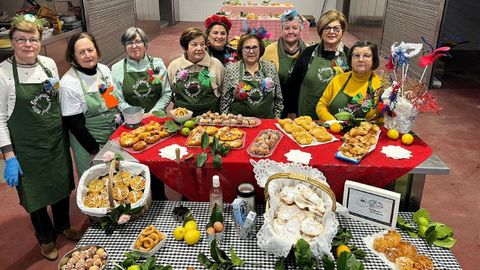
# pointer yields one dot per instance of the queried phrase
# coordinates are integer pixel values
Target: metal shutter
(106, 21)
(408, 20)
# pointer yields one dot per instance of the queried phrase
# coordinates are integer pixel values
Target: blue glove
(12, 171)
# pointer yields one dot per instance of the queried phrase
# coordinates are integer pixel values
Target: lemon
(191, 225)
(185, 131)
(336, 127)
(189, 124)
(393, 134)
(134, 267)
(341, 249)
(407, 139)
(192, 237)
(179, 233)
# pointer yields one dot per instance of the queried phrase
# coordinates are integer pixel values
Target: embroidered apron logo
(192, 88)
(255, 96)
(41, 103)
(325, 74)
(138, 84)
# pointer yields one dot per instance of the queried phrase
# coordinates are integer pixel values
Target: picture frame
(372, 205)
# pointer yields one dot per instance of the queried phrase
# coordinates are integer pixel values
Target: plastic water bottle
(216, 195)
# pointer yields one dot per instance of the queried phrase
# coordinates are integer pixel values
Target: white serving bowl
(133, 116)
(180, 119)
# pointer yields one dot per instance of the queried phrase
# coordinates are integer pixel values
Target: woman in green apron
(139, 79)
(89, 103)
(251, 86)
(317, 65)
(195, 77)
(354, 91)
(286, 51)
(32, 137)
(216, 30)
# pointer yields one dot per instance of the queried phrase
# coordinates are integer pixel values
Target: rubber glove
(12, 171)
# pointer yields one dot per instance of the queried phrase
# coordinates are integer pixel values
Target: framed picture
(371, 204)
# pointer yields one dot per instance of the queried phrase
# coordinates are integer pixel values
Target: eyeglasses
(137, 43)
(250, 49)
(335, 29)
(357, 56)
(22, 40)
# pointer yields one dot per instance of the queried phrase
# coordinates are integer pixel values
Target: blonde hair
(330, 16)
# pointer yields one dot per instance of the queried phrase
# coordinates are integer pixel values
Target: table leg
(416, 192)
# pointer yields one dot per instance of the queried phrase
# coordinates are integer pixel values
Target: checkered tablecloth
(118, 239)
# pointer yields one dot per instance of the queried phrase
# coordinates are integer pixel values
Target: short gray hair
(131, 33)
(290, 19)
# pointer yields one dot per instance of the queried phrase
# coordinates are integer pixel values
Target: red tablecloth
(375, 169)
(271, 24)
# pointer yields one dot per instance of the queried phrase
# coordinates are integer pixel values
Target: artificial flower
(215, 18)
(124, 218)
(267, 85)
(155, 77)
(51, 86)
(182, 75)
(108, 156)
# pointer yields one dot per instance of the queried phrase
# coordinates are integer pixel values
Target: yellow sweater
(271, 54)
(357, 84)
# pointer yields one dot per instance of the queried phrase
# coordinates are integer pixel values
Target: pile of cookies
(265, 142)
(358, 140)
(304, 130)
(217, 119)
(149, 238)
(231, 137)
(91, 258)
(126, 189)
(141, 137)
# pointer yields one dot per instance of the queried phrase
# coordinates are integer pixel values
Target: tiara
(215, 18)
(289, 15)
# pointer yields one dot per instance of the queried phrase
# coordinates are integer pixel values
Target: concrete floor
(450, 199)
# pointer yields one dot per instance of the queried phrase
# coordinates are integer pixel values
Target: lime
(189, 124)
(134, 267)
(192, 237)
(191, 225)
(185, 131)
(341, 249)
(179, 233)
(407, 139)
(393, 134)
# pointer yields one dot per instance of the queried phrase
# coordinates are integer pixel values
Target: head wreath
(290, 15)
(215, 18)
(28, 18)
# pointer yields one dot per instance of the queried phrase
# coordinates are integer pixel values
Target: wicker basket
(303, 178)
(113, 168)
(46, 12)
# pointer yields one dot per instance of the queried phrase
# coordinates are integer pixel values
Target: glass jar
(246, 192)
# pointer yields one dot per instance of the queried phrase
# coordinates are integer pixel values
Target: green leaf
(217, 162)
(216, 215)
(204, 261)
(160, 114)
(215, 145)
(359, 253)
(188, 218)
(447, 242)
(214, 266)
(201, 159)
(149, 264)
(236, 261)
(216, 253)
(342, 237)
(422, 212)
(430, 235)
(303, 254)
(347, 261)
(443, 231)
(171, 127)
(223, 150)
(328, 263)
(205, 140)
(280, 264)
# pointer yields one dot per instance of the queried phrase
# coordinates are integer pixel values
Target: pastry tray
(341, 156)
(314, 142)
(280, 134)
(130, 149)
(231, 148)
(258, 123)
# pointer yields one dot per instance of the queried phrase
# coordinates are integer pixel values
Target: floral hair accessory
(215, 18)
(290, 15)
(260, 32)
(155, 76)
(231, 57)
(28, 18)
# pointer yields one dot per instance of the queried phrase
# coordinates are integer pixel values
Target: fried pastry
(139, 146)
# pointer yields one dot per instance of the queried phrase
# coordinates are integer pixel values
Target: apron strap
(15, 71)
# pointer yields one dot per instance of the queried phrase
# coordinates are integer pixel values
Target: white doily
(269, 240)
(264, 168)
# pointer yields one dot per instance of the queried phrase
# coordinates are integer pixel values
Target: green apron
(100, 122)
(320, 72)
(41, 145)
(195, 97)
(257, 102)
(342, 100)
(137, 90)
(285, 63)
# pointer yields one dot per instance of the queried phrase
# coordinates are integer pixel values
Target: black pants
(158, 188)
(45, 231)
